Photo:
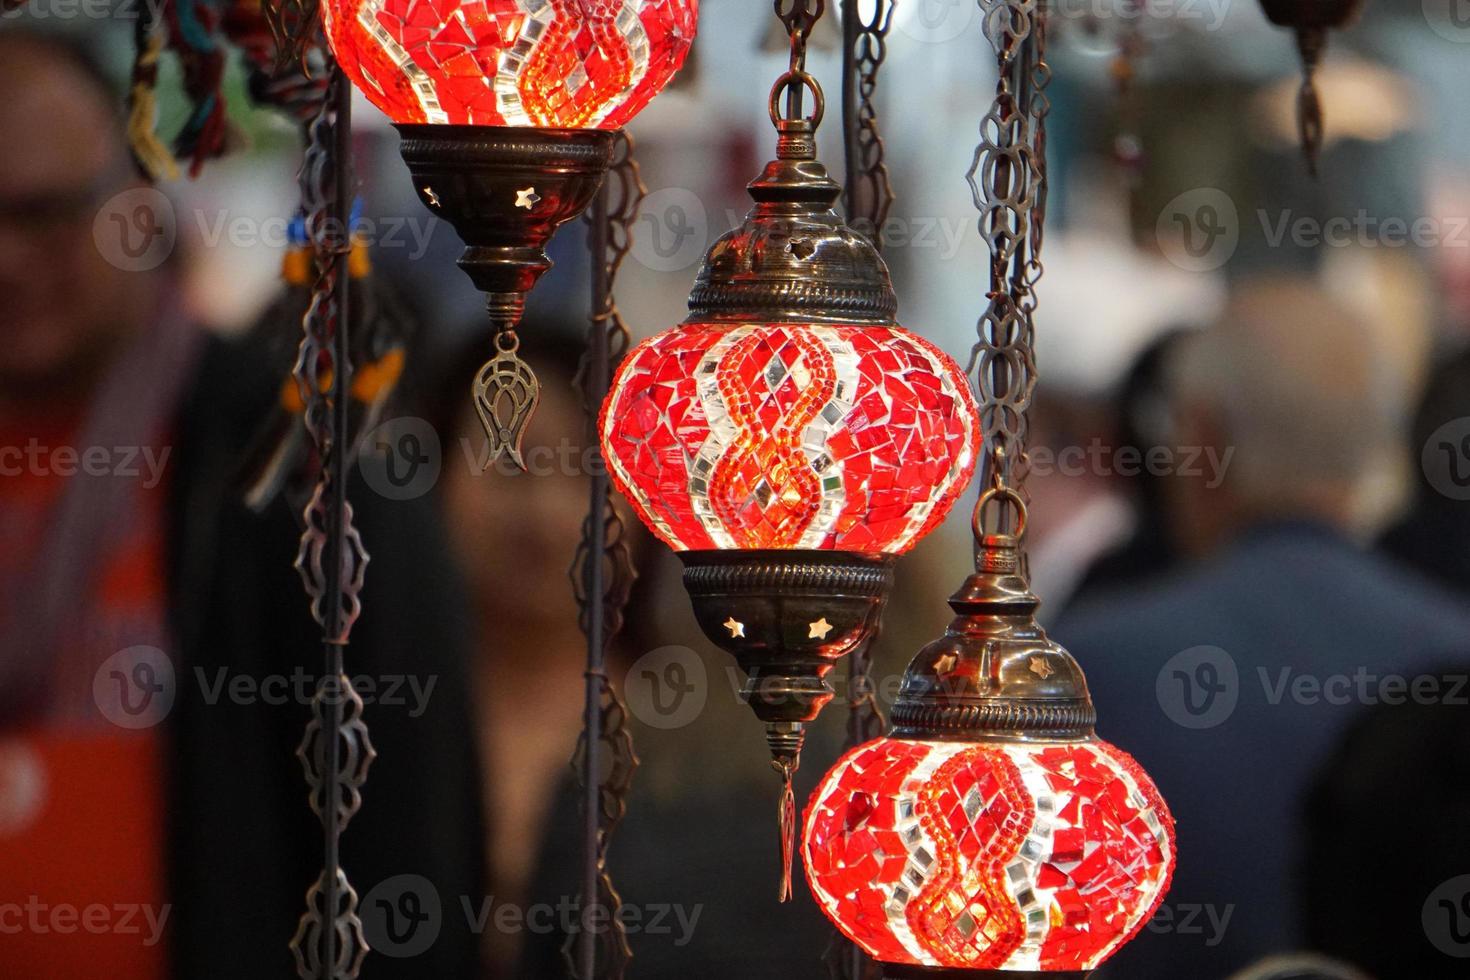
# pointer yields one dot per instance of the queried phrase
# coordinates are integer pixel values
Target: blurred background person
(1386, 860)
(696, 862)
(1434, 536)
(139, 596)
(515, 537)
(1231, 678)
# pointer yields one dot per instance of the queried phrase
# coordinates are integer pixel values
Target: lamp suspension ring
(790, 84)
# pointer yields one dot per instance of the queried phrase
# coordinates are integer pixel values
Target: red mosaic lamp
(508, 111)
(790, 439)
(993, 833)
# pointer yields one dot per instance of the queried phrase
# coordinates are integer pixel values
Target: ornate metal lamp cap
(995, 674)
(793, 259)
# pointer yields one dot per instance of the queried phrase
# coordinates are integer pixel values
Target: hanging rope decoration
(150, 152)
(200, 33)
(602, 577)
(1008, 181)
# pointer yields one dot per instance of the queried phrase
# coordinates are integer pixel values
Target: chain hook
(799, 17)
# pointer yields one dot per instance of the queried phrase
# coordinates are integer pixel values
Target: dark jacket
(243, 846)
(1232, 683)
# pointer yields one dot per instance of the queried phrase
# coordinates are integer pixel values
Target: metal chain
(868, 199)
(296, 26)
(336, 751)
(1008, 181)
(869, 189)
(602, 580)
(799, 18)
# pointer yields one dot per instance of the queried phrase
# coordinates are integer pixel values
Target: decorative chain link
(335, 751)
(869, 197)
(626, 192)
(799, 18)
(316, 372)
(1008, 181)
(869, 189)
(604, 562)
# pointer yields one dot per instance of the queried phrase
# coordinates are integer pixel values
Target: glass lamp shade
(562, 64)
(1003, 855)
(790, 436)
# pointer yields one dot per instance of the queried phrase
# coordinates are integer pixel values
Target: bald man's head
(1289, 382)
(67, 306)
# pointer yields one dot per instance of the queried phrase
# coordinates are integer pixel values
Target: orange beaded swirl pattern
(765, 464)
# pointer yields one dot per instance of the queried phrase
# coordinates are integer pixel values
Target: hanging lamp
(508, 110)
(992, 830)
(1311, 20)
(790, 438)
(992, 833)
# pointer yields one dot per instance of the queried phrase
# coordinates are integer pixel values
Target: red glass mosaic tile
(570, 64)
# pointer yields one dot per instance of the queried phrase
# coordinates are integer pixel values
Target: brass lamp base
(787, 617)
(506, 190)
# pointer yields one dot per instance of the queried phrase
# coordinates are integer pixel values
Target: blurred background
(1250, 467)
